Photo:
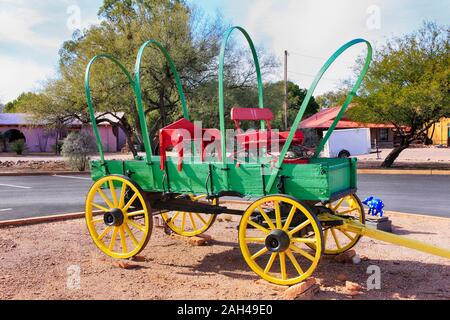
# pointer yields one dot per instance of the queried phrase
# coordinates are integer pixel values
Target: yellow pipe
(359, 228)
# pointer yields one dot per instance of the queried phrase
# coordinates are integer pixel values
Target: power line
(313, 76)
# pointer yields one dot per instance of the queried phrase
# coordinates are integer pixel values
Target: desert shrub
(76, 149)
(18, 146)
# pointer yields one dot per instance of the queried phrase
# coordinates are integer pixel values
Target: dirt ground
(39, 261)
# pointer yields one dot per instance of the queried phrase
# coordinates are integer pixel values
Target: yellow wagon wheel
(337, 240)
(273, 235)
(189, 224)
(118, 217)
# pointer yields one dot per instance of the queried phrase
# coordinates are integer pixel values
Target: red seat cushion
(251, 114)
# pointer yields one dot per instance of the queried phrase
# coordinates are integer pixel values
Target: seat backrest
(251, 114)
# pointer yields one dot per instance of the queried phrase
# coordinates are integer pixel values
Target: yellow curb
(39, 220)
(404, 172)
(42, 173)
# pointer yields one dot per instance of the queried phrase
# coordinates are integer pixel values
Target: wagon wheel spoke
(130, 202)
(258, 226)
(123, 240)
(305, 240)
(130, 233)
(99, 220)
(136, 225)
(183, 222)
(113, 239)
(299, 227)
(302, 252)
(103, 195)
(294, 262)
(283, 265)
(102, 208)
(338, 204)
(175, 216)
(347, 235)
(333, 232)
(259, 253)
(347, 211)
(191, 217)
(289, 218)
(136, 213)
(257, 240)
(104, 233)
(266, 218)
(112, 189)
(278, 214)
(201, 218)
(123, 192)
(269, 265)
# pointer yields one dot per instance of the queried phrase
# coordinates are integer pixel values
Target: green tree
(332, 98)
(192, 40)
(408, 85)
(20, 104)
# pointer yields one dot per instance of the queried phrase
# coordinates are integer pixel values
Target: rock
(139, 259)
(126, 265)
(273, 286)
(225, 218)
(345, 257)
(356, 259)
(341, 277)
(300, 291)
(352, 286)
(364, 258)
(197, 241)
(207, 237)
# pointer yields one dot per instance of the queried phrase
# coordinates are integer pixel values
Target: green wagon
(302, 203)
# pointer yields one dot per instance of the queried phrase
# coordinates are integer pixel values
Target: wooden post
(286, 97)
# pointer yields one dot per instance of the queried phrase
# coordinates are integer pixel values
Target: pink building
(38, 138)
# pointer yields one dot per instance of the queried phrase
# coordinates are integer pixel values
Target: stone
(352, 286)
(207, 237)
(356, 259)
(197, 241)
(273, 286)
(139, 259)
(345, 257)
(298, 291)
(126, 265)
(341, 277)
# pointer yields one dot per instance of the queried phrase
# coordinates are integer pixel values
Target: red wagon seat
(183, 130)
(269, 137)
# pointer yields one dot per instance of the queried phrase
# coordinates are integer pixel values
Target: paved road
(31, 196)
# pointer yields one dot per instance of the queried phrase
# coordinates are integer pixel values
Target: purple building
(39, 138)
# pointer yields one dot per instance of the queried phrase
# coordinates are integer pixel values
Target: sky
(31, 33)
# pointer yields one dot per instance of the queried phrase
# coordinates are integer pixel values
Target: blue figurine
(375, 206)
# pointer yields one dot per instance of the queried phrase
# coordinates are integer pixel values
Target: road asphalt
(34, 196)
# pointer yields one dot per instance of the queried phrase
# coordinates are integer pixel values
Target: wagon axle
(114, 218)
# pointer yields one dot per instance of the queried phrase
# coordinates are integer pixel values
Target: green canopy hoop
(138, 91)
(221, 84)
(313, 87)
(89, 98)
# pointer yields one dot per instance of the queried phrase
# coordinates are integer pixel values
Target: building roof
(324, 119)
(23, 119)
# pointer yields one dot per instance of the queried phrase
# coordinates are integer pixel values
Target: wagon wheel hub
(114, 218)
(278, 241)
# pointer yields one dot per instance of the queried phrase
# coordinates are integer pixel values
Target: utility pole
(285, 91)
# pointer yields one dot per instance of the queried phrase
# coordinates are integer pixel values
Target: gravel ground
(38, 262)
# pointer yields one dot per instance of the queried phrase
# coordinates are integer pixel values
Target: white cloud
(16, 26)
(312, 30)
(19, 76)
